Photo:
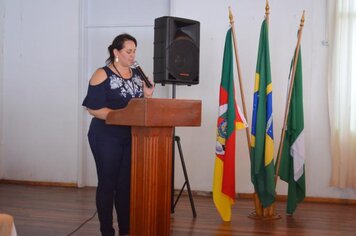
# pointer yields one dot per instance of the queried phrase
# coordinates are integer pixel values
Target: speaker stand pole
(186, 183)
(173, 151)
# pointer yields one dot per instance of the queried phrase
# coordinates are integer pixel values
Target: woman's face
(127, 54)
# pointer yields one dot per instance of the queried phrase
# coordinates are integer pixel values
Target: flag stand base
(261, 213)
(274, 216)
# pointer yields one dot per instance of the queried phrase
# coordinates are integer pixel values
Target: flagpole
(260, 212)
(240, 80)
(295, 60)
(269, 211)
(267, 13)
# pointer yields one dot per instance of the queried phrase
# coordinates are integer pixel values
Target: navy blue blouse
(114, 92)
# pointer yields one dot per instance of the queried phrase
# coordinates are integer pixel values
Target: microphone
(143, 76)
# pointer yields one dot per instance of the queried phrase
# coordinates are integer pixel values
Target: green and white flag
(292, 166)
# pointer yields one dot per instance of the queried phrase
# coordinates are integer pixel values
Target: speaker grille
(183, 61)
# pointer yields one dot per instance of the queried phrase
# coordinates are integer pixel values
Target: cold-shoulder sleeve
(96, 97)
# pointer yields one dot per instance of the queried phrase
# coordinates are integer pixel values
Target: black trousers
(113, 162)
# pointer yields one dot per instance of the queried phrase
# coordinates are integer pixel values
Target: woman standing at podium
(112, 87)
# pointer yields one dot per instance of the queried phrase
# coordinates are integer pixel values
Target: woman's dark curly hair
(118, 43)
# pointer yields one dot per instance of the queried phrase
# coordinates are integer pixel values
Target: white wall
(284, 22)
(2, 18)
(40, 99)
(52, 48)
(44, 127)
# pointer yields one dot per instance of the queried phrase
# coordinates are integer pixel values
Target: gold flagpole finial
(267, 9)
(231, 17)
(302, 19)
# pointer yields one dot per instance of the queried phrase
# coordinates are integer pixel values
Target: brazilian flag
(262, 147)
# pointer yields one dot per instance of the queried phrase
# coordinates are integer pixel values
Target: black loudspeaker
(176, 51)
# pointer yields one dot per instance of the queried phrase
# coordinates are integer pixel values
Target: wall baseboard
(307, 199)
(185, 192)
(39, 183)
(282, 198)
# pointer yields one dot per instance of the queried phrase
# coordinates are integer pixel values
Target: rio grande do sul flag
(230, 118)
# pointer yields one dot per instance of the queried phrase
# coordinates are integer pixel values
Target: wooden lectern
(153, 121)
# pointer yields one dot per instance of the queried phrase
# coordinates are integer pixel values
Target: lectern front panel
(151, 170)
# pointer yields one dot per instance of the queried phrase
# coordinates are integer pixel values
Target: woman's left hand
(148, 92)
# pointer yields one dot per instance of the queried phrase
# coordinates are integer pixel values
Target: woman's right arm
(98, 77)
(100, 113)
